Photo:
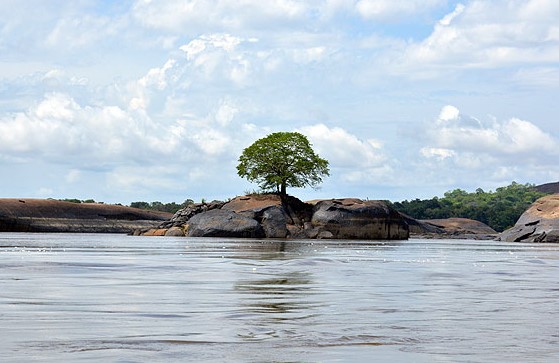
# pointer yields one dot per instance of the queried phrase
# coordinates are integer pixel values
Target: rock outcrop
(450, 228)
(40, 215)
(462, 228)
(183, 215)
(357, 219)
(223, 223)
(549, 188)
(539, 223)
(268, 216)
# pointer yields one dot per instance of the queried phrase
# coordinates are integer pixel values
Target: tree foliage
(281, 160)
(162, 207)
(499, 209)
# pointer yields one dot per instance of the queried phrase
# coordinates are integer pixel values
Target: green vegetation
(77, 201)
(499, 209)
(162, 207)
(281, 160)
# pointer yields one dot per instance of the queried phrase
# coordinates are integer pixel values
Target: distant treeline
(77, 201)
(162, 207)
(157, 206)
(499, 209)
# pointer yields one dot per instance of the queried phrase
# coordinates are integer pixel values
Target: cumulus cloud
(188, 84)
(59, 128)
(487, 34)
(343, 149)
(453, 134)
(353, 160)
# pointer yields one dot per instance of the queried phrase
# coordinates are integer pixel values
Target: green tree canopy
(281, 160)
(499, 209)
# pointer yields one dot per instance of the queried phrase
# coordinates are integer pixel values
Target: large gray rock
(223, 223)
(357, 219)
(273, 221)
(268, 210)
(539, 223)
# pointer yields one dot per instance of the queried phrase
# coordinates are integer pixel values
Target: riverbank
(46, 215)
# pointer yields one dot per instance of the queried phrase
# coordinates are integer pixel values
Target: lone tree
(281, 160)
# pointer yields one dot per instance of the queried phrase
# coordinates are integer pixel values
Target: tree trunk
(283, 192)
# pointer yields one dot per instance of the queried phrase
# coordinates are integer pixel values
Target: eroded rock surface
(223, 223)
(539, 223)
(358, 219)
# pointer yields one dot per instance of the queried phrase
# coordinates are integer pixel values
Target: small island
(286, 159)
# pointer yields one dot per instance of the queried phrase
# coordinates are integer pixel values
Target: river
(116, 298)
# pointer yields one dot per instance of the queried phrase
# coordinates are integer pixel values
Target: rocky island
(266, 216)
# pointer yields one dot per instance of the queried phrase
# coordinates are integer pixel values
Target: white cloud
(195, 16)
(226, 113)
(107, 92)
(437, 153)
(449, 113)
(449, 17)
(453, 134)
(488, 34)
(78, 32)
(344, 150)
(60, 129)
(379, 9)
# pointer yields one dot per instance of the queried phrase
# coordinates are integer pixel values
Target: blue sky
(155, 100)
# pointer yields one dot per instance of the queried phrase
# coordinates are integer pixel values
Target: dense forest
(499, 209)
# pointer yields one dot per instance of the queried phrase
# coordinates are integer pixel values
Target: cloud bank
(156, 100)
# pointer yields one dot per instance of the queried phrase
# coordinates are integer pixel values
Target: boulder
(273, 220)
(278, 219)
(358, 219)
(223, 223)
(182, 216)
(458, 228)
(174, 232)
(539, 223)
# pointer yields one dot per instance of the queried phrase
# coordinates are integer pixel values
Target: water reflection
(287, 293)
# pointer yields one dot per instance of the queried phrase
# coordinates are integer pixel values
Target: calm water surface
(114, 298)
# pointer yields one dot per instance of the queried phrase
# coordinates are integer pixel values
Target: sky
(155, 100)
